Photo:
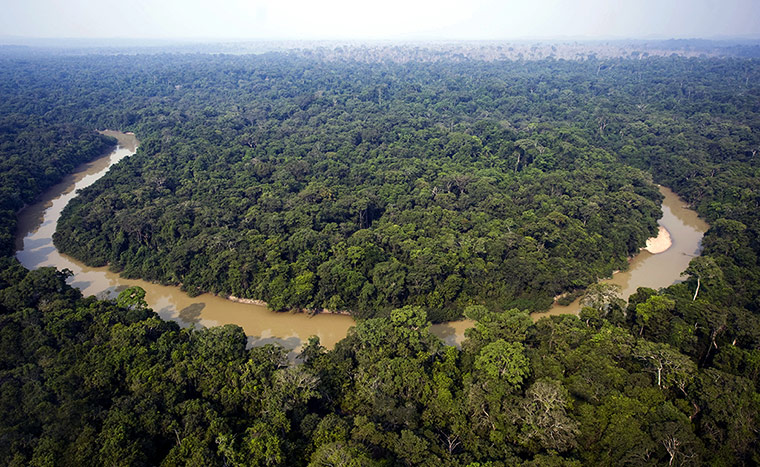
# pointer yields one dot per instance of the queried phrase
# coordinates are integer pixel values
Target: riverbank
(310, 312)
(126, 140)
(660, 263)
(35, 249)
(288, 329)
(660, 243)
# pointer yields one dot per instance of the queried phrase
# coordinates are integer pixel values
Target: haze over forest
(387, 20)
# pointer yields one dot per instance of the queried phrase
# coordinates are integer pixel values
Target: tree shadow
(289, 343)
(292, 344)
(34, 243)
(448, 334)
(191, 314)
(81, 285)
(33, 258)
(110, 293)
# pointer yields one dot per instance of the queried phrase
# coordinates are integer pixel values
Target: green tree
(703, 268)
(504, 362)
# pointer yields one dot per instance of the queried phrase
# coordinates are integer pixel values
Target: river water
(656, 270)
(37, 223)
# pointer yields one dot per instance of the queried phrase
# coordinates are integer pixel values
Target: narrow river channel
(35, 249)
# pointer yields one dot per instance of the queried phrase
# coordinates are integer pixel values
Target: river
(659, 270)
(37, 222)
(36, 225)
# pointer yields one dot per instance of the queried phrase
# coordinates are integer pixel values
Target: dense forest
(108, 383)
(404, 193)
(34, 155)
(364, 188)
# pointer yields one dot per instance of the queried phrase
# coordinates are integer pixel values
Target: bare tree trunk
(696, 411)
(696, 291)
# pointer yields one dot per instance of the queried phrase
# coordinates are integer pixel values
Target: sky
(380, 19)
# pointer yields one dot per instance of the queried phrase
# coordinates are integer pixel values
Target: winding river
(35, 249)
(658, 270)
(36, 225)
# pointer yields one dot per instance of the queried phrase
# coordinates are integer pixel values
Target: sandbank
(660, 243)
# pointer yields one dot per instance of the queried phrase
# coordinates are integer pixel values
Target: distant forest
(403, 193)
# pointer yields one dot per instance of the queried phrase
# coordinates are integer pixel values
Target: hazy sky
(380, 19)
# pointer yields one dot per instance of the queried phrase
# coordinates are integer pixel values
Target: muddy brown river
(37, 222)
(659, 270)
(35, 249)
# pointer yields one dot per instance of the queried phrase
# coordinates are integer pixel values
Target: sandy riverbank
(660, 243)
(247, 301)
(251, 301)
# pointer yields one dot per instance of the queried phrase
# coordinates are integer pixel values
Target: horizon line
(7, 39)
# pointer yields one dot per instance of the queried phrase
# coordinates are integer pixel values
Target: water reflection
(192, 313)
(452, 333)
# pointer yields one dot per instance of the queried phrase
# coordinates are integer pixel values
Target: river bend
(37, 222)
